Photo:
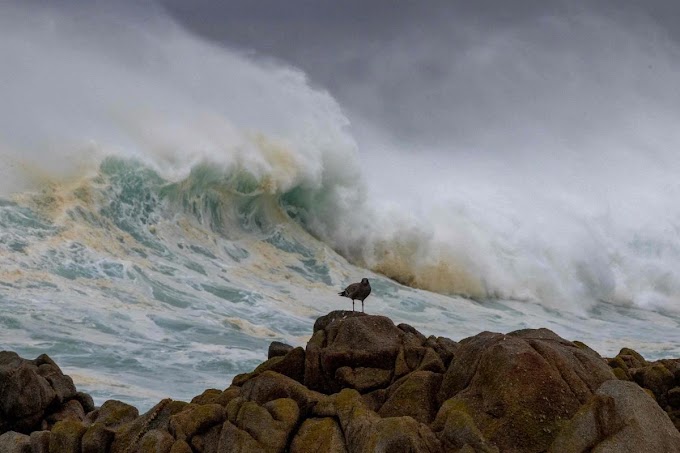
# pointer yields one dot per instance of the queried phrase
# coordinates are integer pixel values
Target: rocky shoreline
(364, 384)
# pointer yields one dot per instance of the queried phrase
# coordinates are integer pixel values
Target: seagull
(358, 291)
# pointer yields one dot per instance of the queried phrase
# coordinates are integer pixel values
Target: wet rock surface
(364, 384)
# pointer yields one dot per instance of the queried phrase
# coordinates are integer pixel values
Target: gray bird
(357, 291)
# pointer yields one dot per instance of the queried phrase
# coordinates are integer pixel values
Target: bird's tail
(343, 293)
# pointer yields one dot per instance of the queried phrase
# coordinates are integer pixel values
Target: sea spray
(171, 207)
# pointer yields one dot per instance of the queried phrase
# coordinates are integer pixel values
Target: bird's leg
(352, 305)
(362, 306)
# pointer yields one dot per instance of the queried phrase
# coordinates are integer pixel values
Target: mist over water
(545, 170)
(542, 161)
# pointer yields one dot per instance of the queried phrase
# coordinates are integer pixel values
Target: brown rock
(196, 419)
(40, 442)
(164, 412)
(357, 341)
(209, 396)
(412, 330)
(673, 365)
(113, 414)
(214, 396)
(400, 366)
(521, 387)
(415, 396)
(375, 399)
(617, 363)
(70, 410)
(24, 395)
(97, 438)
(14, 442)
(656, 378)
(181, 446)
(674, 415)
(364, 430)
(621, 374)
(129, 435)
(251, 427)
(674, 397)
(156, 441)
(66, 437)
(291, 365)
(431, 362)
(619, 418)
(319, 434)
(270, 386)
(207, 442)
(457, 430)
(337, 315)
(444, 347)
(414, 355)
(85, 401)
(631, 358)
(60, 383)
(276, 349)
(233, 439)
(363, 379)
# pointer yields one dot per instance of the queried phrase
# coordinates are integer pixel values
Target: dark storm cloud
(419, 69)
(432, 73)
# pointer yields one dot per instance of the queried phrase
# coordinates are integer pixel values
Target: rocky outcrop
(520, 388)
(619, 418)
(661, 379)
(35, 394)
(364, 384)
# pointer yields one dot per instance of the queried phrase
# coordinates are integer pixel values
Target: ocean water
(141, 288)
(161, 224)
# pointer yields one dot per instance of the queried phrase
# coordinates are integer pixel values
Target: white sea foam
(566, 224)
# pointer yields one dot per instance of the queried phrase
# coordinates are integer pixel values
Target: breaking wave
(245, 146)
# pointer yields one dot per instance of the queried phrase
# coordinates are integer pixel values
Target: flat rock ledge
(364, 384)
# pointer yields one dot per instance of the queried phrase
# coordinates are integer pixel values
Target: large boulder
(61, 384)
(661, 379)
(25, 395)
(656, 378)
(278, 349)
(356, 342)
(319, 434)
(521, 388)
(156, 441)
(215, 396)
(13, 442)
(364, 430)
(196, 419)
(270, 386)
(619, 418)
(457, 430)
(66, 437)
(251, 427)
(128, 435)
(338, 315)
(292, 364)
(97, 438)
(35, 394)
(113, 413)
(415, 395)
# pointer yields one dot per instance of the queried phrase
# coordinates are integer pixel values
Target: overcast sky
(434, 71)
(451, 73)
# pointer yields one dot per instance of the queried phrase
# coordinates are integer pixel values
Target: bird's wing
(352, 289)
